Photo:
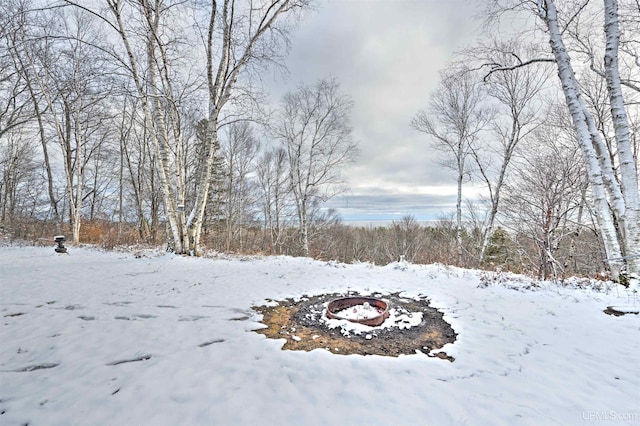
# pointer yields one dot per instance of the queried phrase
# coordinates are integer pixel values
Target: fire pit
(405, 324)
(362, 310)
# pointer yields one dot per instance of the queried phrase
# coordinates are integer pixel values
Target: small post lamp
(59, 239)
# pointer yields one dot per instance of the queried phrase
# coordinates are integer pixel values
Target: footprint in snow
(205, 344)
(35, 367)
(144, 316)
(191, 317)
(134, 317)
(72, 307)
(243, 315)
(87, 317)
(125, 361)
(241, 318)
(119, 303)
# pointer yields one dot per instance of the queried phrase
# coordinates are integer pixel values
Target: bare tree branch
(495, 67)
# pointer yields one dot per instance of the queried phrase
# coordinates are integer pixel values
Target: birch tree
(515, 92)
(453, 119)
(240, 36)
(72, 80)
(16, 108)
(614, 183)
(21, 48)
(315, 132)
(544, 195)
(240, 149)
(19, 178)
(272, 176)
(627, 163)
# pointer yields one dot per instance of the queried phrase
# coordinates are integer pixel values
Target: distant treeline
(579, 253)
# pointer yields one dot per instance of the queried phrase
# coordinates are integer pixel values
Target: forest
(145, 122)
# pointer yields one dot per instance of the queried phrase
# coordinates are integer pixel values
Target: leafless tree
(453, 120)
(19, 179)
(315, 132)
(544, 196)
(405, 241)
(240, 149)
(518, 105)
(16, 108)
(240, 37)
(70, 78)
(272, 174)
(21, 46)
(614, 184)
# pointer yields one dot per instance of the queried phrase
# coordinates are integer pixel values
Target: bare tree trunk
(515, 90)
(234, 56)
(163, 150)
(453, 119)
(272, 175)
(153, 116)
(579, 115)
(65, 145)
(45, 151)
(196, 218)
(121, 177)
(241, 29)
(304, 228)
(459, 252)
(314, 127)
(627, 164)
(135, 175)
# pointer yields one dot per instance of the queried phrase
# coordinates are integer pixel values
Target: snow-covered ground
(95, 338)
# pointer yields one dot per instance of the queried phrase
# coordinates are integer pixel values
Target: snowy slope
(98, 338)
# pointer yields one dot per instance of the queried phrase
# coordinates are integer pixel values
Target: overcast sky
(386, 55)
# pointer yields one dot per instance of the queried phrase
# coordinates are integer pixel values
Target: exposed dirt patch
(302, 324)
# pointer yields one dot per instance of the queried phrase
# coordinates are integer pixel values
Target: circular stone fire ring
(304, 325)
(362, 310)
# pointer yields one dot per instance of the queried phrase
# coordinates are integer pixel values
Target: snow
(398, 317)
(100, 338)
(360, 312)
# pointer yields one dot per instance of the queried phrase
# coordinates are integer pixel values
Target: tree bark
(627, 164)
(579, 114)
(461, 171)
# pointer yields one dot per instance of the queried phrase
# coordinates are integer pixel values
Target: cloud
(386, 54)
(381, 206)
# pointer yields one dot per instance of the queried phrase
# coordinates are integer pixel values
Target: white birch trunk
(221, 83)
(579, 112)
(459, 253)
(80, 162)
(176, 189)
(495, 204)
(514, 138)
(304, 228)
(627, 165)
(169, 201)
(196, 218)
(63, 142)
(161, 142)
